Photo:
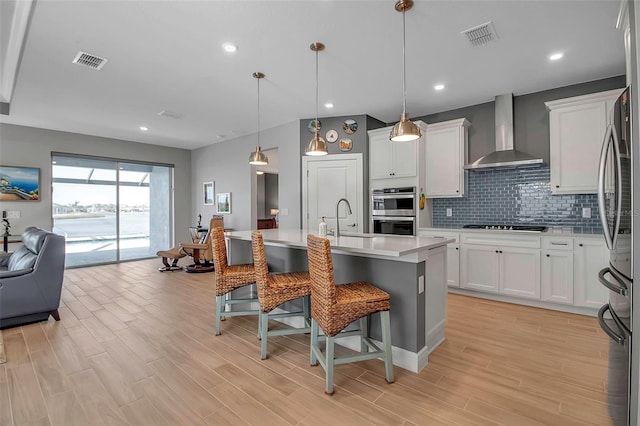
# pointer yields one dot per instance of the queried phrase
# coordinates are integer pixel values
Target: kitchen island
(411, 269)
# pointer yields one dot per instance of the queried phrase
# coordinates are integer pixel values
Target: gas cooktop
(525, 228)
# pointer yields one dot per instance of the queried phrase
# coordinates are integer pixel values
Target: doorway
(110, 210)
(265, 190)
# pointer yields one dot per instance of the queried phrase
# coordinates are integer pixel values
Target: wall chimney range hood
(505, 155)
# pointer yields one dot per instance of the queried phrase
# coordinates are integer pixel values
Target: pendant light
(257, 158)
(404, 130)
(317, 146)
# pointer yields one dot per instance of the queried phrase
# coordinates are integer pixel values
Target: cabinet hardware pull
(558, 244)
(557, 186)
(457, 248)
(548, 255)
(497, 251)
(580, 244)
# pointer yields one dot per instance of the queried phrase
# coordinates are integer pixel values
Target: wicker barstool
(274, 290)
(334, 307)
(229, 278)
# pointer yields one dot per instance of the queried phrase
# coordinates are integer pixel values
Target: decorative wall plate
(331, 136)
(346, 144)
(312, 125)
(350, 126)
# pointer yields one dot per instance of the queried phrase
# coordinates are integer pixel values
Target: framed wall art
(223, 202)
(19, 183)
(208, 193)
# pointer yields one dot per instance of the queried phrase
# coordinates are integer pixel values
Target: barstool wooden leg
(306, 309)
(219, 308)
(329, 361)
(264, 331)
(386, 341)
(313, 361)
(364, 332)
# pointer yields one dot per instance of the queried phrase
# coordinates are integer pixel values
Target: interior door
(329, 179)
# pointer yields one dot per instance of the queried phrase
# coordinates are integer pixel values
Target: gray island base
(411, 269)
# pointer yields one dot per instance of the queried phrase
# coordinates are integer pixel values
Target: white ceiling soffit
(14, 21)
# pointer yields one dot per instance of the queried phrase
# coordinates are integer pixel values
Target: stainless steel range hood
(504, 155)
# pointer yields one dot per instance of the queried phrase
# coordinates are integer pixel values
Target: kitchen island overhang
(411, 269)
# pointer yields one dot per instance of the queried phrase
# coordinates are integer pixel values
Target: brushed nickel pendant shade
(317, 146)
(404, 130)
(257, 158)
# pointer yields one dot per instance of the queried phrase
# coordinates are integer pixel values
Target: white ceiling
(166, 55)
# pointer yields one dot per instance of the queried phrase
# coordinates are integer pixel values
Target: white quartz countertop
(547, 233)
(375, 244)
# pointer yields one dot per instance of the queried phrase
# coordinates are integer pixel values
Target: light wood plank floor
(136, 346)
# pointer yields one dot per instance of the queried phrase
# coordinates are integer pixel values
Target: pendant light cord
(258, 111)
(404, 65)
(317, 96)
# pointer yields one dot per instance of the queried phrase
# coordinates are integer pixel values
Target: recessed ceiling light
(230, 47)
(328, 105)
(259, 172)
(54, 162)
(556, 56)
(143, 128)
(439, 87)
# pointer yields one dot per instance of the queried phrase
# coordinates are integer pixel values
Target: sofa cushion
(22, 258)
(33, 238)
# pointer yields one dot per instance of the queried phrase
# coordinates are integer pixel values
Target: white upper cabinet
(446, 155)
(577, 126)
(391, 159)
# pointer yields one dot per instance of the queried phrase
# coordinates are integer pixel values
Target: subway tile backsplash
(516, 196)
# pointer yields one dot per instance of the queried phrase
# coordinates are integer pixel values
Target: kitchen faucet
(337, 233)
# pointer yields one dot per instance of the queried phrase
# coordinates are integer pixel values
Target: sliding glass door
(110, 210)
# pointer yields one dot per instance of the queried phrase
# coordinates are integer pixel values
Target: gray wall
(226, 163)
(360, 145)
(531, 118)
(32, 147)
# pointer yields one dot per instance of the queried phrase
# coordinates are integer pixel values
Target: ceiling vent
(481, 35)
(170, 114)
(89, 60)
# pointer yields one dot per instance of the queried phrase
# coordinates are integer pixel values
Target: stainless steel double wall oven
(393, 211)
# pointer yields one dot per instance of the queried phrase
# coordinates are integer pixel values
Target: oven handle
(603, 325)
(394, 196)
(403, 218)
(620, 288)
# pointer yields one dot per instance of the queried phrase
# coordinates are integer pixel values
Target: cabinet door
(453, 265)
(590, 258)
(444, 173)
(380, 157)
(557, 276)
(480, 270)
(575, 143)
(404, 158)
(520, 272)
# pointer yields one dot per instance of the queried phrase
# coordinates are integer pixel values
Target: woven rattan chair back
(260, 264)
(323, 286)
(219, 251)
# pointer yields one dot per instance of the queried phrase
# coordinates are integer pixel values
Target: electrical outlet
(13, 214)
(449, 212)
(586, 212)
(284, 212)
(421, 284)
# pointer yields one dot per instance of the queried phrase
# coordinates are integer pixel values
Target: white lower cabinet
(520, 272)
(480, 268)
(557, 276)
(590, 258)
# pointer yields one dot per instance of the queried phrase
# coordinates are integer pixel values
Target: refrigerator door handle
(601, 187)
(619, 287)
(618, 169)
(612, 334)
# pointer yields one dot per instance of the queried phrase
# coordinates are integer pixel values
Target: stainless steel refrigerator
(615, 206)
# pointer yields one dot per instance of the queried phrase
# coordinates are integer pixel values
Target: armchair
(31, 279)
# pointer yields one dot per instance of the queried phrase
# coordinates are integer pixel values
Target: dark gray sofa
(31, 279)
